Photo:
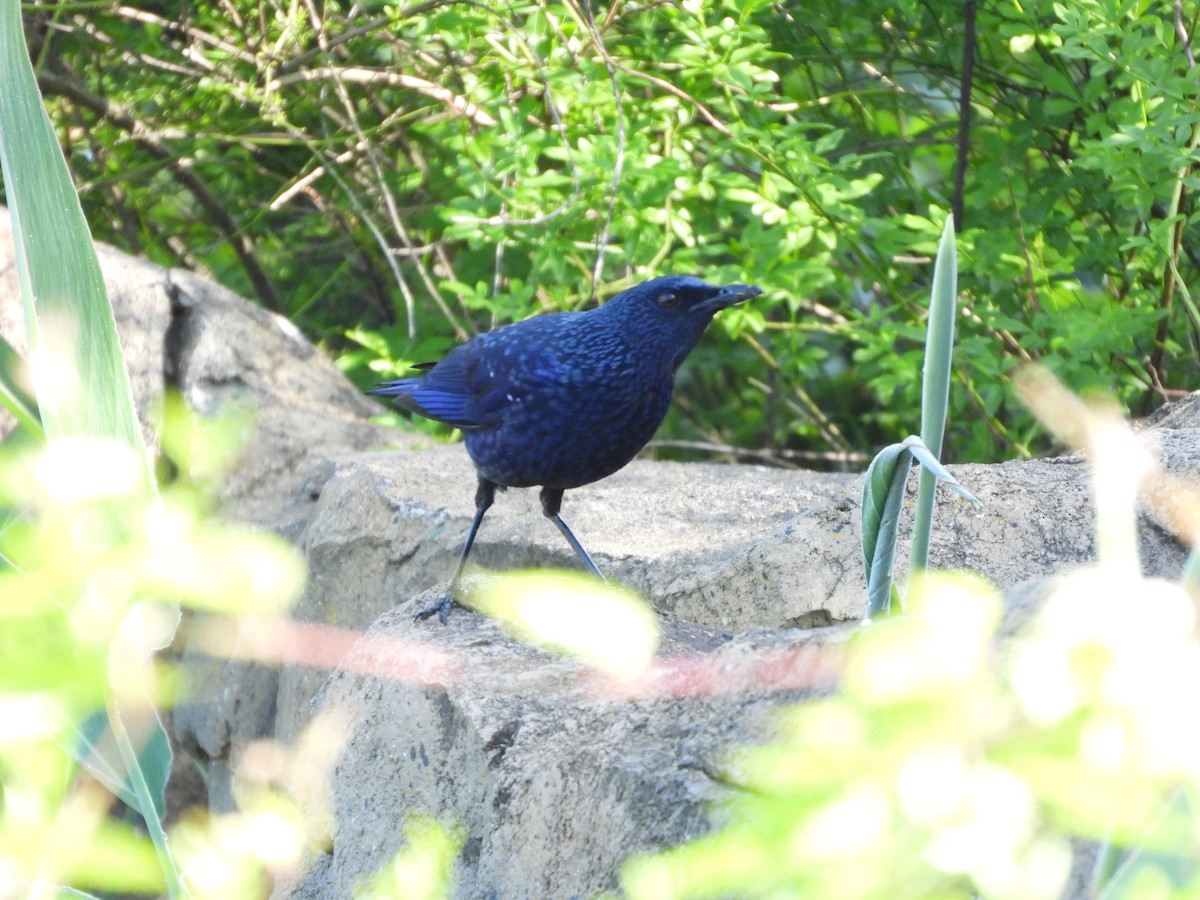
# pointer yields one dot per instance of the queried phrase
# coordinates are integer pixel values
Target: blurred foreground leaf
(82, 387)
(78, 369)
(883, 493)
(607, 626)
(423, 869)
(941, 770)
(96, 749)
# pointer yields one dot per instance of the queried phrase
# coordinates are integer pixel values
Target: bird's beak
(727, 296)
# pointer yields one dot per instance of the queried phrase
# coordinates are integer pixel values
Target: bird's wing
(473, 384)
(444, 392)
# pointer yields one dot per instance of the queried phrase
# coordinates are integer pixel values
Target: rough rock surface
(142, 308)
(728, 547)
(187, 333)
(552, 781)
(553, 784)
(554, 788)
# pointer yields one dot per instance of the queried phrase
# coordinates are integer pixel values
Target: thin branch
(705, 113)
(301, 184)
(1182, 34)
(174, 26)
(388, 200)
(373, 77)
(964, 112)
(367, 27)
(781, 458)
(585, 9)
(57, 85)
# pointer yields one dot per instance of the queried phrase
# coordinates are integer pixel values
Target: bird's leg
(485, 494)
(551, 503)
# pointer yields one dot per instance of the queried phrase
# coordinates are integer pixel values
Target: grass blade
(96, 749)
(883, 491)
(935, 386)
(13, 395)
(79, 373)
(78, 369)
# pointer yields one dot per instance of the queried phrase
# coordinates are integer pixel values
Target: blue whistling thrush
(564, 399)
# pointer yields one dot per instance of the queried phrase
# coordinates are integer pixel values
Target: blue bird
(564, 399)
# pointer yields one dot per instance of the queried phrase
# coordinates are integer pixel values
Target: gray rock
(552, 782)
(220, 352)
(141, 306)
(767, 550)
(223, 353)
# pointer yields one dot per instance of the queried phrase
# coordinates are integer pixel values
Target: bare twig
(705, 113)
(585, 10)
(175, 26)
(52, 84)
(301, 184)
(964, 112)
(372, 156)
(781, 458)
(1182, 34)
(359, 75)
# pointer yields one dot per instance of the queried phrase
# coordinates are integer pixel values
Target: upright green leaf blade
(78, 369)
(96, 749)
(13, 395)
(883, 490)
(79, 372)
(935, 386)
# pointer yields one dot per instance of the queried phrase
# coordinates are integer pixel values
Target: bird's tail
(418, 396)
(394, 390)
(404, 393)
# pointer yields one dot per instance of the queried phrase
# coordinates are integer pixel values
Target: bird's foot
(442, 608)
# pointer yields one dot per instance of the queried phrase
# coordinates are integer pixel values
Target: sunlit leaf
(607, 626)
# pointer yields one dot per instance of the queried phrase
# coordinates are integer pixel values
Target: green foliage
(971, 740)
(69, 326)
(397, 178)
(75, 638)
(883, 493)
(887, 475)
(422, 870)
(83, 403)
(93, 560)
(394, 179)
(942, 771)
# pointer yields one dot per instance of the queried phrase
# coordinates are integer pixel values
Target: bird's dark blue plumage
(565, 399)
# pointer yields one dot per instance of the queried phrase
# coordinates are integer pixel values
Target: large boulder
(552, 783)
(187, 333)
(554, 786)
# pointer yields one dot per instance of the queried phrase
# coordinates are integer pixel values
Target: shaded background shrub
(394, 179)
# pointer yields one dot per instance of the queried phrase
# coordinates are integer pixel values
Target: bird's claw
(442, 607)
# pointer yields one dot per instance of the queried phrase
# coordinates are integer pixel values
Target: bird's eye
(668, 300)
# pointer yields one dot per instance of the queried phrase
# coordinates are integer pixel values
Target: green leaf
(935, 386)
(78, 369)
(883, 493)
(95, 749)
(13, 394)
